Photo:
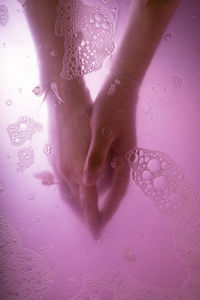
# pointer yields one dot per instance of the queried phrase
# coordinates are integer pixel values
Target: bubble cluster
(114, 9)
(180, 61)
(4, 15)
(72, 283)
(37, 218)
(158, 177)
(25, 158)
(161, 179)
(24, 274)
(113, 86)
(21, 131)
(2, 188)
(113, 284)
(46, 177)
(47, 149)
(88, 33)
(186, 230)
(71, 280)
(178, 81)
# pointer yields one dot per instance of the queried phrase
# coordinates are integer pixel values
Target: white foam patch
(25, 158)
(21, 131)
(117, 285)
(24, 273)
(4, 15)
(161, 179)
(88, 37)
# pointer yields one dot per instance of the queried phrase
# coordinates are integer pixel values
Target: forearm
(41, 15)
(146, 24)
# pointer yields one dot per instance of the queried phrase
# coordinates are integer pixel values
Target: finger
(65, 177)
(74, 188)
(97, 154)
(118, 189)
(88, 201)
(69, 197)
(69, 189)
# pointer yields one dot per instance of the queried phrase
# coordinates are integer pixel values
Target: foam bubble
(154, 165)
(88, 37)
(125, 286)
(21, 131)
(21, 268)
(160, 182)
(113, 164)
(38, 90)
(47, 149)
(178, 81)
(23, 126)
(9, 102)
(173, 194)
(146, 175)
(37, 218)
(106, 132)
(167, 36)
(4, 15)
(25, 158)
(111, 90)
(2, 188)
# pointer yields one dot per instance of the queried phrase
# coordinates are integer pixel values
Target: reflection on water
(151, 248)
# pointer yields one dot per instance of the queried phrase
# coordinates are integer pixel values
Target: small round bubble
(146, 175)
(23, 126)
(106, 132)
(160, 182)
(154, 165)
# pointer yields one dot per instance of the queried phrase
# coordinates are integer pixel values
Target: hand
(70, 133)
(113, 134)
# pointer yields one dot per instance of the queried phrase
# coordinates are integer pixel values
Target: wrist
(69, 94)
(120, 83)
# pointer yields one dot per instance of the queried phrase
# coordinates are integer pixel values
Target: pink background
(167, 120)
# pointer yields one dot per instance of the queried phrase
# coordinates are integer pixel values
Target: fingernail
(89, 179)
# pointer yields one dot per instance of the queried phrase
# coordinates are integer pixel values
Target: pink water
(46, 252)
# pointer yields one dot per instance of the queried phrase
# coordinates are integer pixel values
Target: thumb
(96, 157)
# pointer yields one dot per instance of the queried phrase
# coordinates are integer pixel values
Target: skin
(130, 65)
(88, 139)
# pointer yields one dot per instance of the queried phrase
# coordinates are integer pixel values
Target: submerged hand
(113, 134)
(71, 134)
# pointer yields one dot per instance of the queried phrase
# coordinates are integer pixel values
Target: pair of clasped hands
(90, 141)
